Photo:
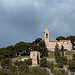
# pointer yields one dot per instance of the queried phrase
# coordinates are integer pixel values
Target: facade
(51, 44)
(35, 56)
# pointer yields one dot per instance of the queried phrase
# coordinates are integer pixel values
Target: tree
(6, 63)
(72, 38)
(57, 52)
(37, 41)
(24, 68)
(28, 62)
(22, 46)
(62, 49)
(43, 50)
(72, 65)
(4, 72)
(50, 65)
(60, 72)
(43, 62)
(60, 65)
(13, 69)
(38, 71)
(62, 59)
(10, 51)
(25, 62)
(60, 38)
(72, 73)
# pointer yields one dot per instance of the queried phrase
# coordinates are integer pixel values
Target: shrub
(43, 62)
(72, 73)
(50, 65)
(6, 63)
(72, 65)
(59, 72)
(60, 65)
(61, 59)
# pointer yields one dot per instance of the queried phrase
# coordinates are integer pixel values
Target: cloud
(25, 20)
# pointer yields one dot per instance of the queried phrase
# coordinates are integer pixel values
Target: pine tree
(57, 52)
(62, 49)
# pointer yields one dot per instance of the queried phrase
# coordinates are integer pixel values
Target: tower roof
(46, 29)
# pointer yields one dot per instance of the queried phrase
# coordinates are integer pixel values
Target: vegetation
(72, 64)
(57, 51)
(43, 62)
(59, 72)
(62, 59)
(6, 63)
(24, 70)
(25, 62)
(23, 48)
(62, 49)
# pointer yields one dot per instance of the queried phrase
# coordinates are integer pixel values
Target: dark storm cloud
(25, 20)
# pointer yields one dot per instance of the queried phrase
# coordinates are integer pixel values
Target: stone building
(51, 44)
(35, 56)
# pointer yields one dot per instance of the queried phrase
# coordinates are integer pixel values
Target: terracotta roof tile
(60, 41)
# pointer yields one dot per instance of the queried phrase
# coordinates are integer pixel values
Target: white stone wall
(51, 45)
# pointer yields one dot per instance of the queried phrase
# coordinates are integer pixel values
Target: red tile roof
(61, 41)
(54, 41)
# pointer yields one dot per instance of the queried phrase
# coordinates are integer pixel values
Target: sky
(26, 20)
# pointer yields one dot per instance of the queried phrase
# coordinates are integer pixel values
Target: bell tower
(46, 35)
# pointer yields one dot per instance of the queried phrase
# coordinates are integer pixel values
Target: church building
(51, 44)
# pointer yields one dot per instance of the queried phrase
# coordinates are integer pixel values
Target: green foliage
(13, 51)
(4, 72)
(21, 46)
(73, 55)
(72, 73)
(72, 65)
(60, 38)
(13, 69)
(43, 50)
(28, 62)
(59, 58)
(60, 72)
(38, 71)
(57, 52)
(6, 63)
(62, 49)
(25, 62)
(24, 68)
(37, 41)
(50, 65)
(14, 73)
(43, 62)
(62, 59)
(72, 38)
(60, 65)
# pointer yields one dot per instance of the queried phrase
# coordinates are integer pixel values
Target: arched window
(46, 35)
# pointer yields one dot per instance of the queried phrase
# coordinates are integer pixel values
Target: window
(33, 54)
(46, 35)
